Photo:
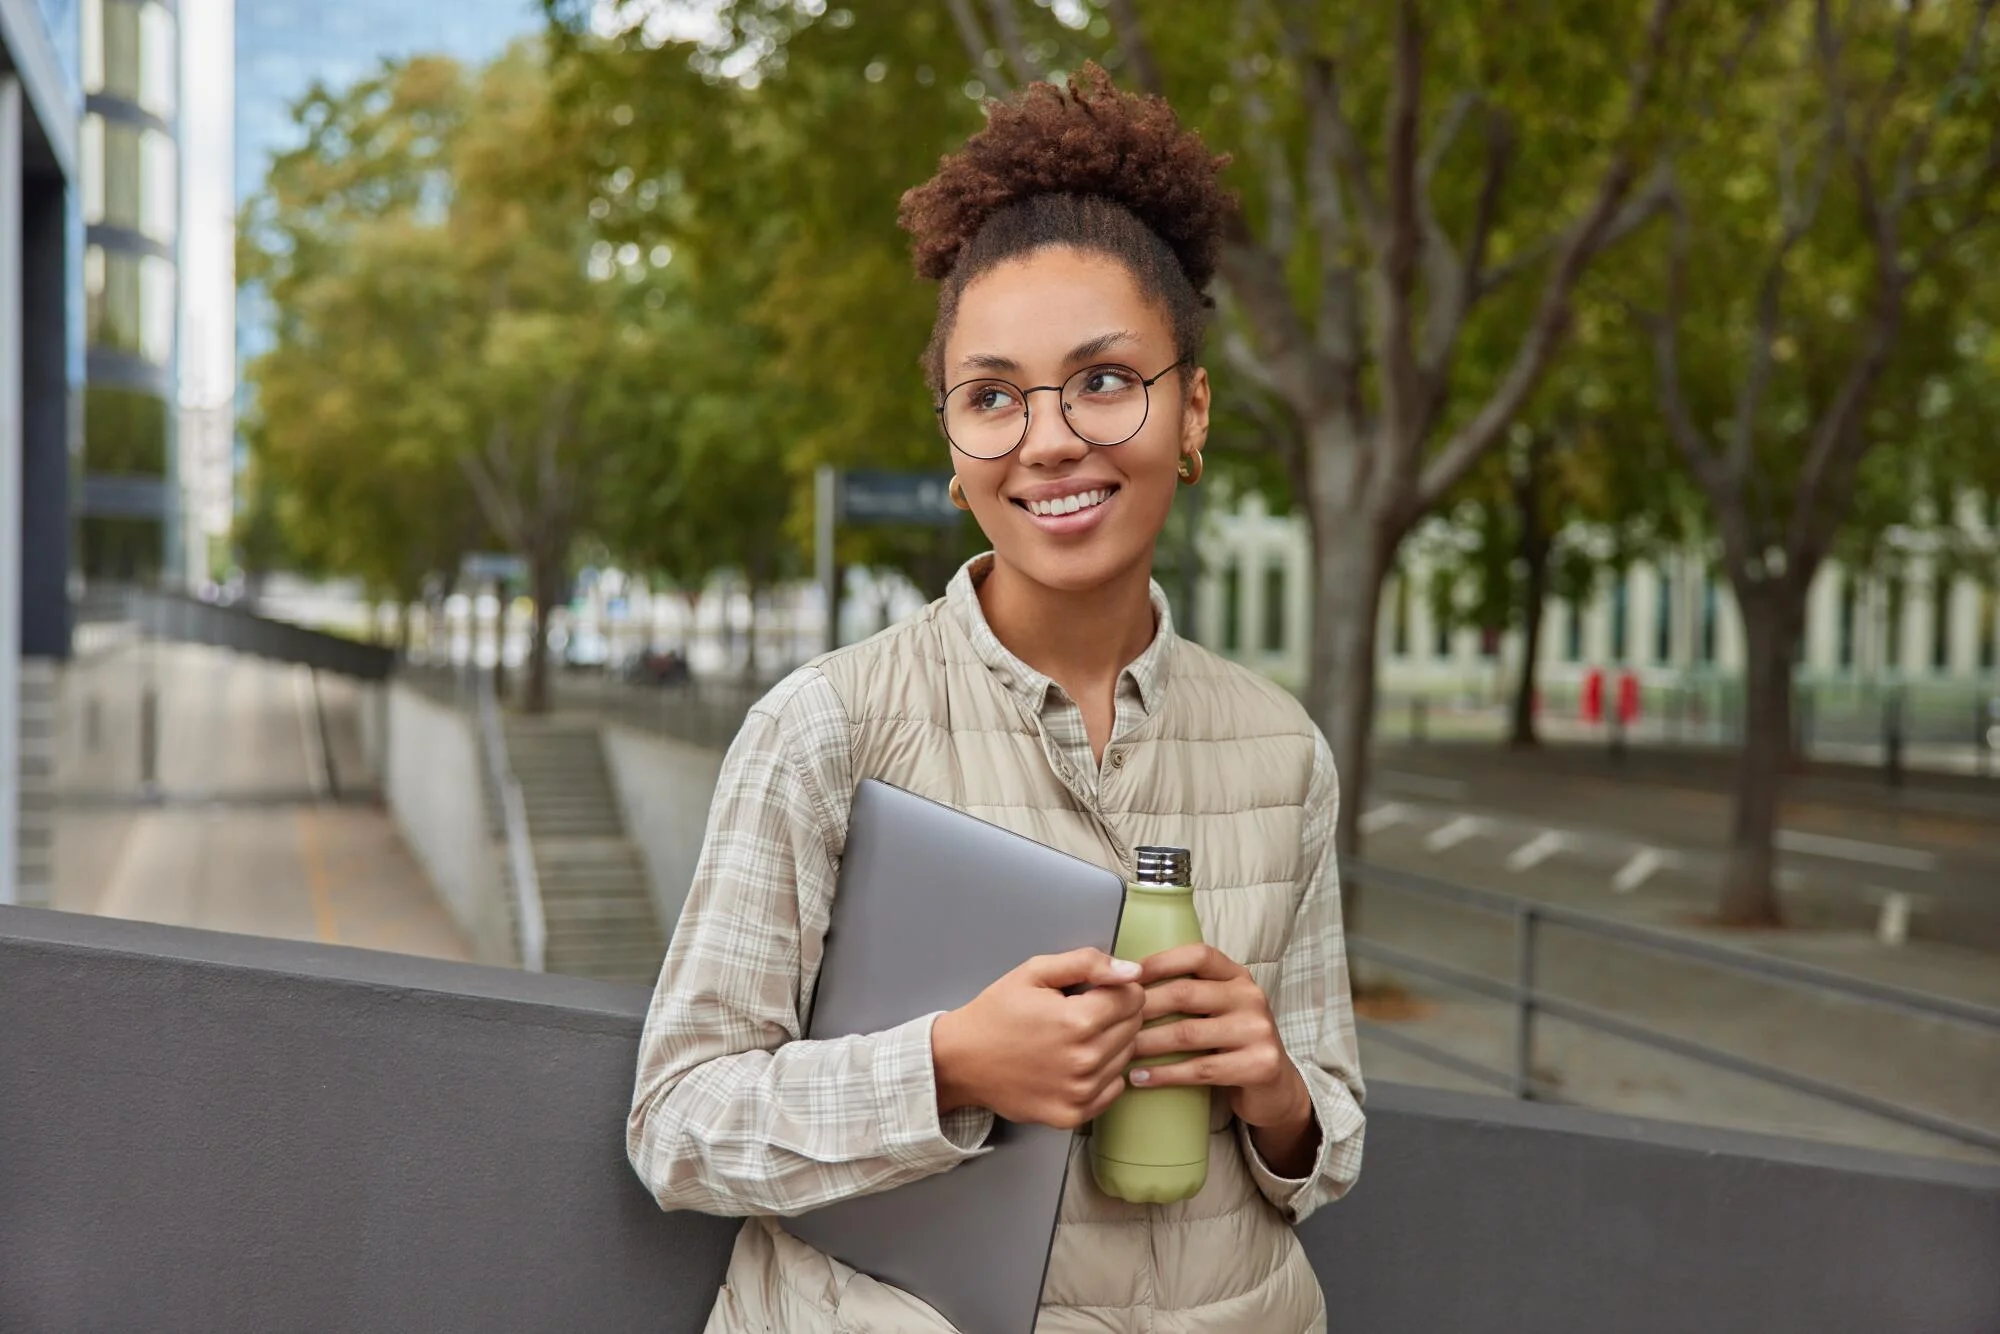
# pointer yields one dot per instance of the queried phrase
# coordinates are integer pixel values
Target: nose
(1050, 440)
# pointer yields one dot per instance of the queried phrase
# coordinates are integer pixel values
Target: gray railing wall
(183, 619)
(209, 1132)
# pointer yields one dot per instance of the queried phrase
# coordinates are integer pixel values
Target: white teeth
(1068, 504)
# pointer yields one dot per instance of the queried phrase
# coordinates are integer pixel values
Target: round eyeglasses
(1104, 405)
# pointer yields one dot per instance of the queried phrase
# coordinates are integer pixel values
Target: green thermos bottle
(1151, 1145)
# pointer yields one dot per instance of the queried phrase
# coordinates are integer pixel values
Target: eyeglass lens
(1104, 405)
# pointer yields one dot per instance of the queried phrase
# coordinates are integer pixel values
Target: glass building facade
(41, 101)
(130, 197)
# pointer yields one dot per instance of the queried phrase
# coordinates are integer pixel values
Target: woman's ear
(1194, 412)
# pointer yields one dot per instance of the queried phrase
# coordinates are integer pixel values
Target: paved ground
(243, 834)
(1847, 842)
(1945, 1068)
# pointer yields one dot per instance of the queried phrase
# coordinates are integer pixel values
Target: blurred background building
(129, 155)
(40, 363)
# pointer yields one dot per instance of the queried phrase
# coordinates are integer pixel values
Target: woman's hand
(1033, 1054)
(1229, 1023)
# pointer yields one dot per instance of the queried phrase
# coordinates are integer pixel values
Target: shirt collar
(1143, 675)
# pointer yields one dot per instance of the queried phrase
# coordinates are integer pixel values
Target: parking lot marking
(1453, 834)
(1637, 871)
(1383, 817)
(1535, 851)
(1853, 850)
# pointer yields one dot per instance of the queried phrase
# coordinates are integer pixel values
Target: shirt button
(1118, 759)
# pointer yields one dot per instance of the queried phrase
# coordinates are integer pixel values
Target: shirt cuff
(1336, 1118)
(912, 1133)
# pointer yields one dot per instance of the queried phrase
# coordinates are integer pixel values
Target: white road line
(1893, 928)
(1876, 854)
(1637, 871)
(1535, 851)
(1453, 834)
(1383, 817)
(1422, 785)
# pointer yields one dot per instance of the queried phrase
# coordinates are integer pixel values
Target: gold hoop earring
(1189, 470)
(956, 490)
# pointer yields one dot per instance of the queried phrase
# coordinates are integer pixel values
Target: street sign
(880, 497)
(479, 566)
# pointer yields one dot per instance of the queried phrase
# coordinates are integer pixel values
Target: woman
(1047, 692)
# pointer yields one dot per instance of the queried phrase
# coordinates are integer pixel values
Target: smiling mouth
(1074, 504)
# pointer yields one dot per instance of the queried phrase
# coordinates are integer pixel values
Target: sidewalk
(243, 837)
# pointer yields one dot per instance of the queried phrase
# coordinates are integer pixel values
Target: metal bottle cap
(1162, 866)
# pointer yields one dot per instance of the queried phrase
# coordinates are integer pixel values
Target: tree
(1821, 253)
(449, 314)
(770, 154)
(1354, 275)
(344, 480)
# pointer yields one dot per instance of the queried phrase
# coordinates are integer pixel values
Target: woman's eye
(1107, 380)
(992, 398)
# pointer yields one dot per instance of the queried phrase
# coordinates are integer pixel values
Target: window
(1274, 609)
(1573, 631)
(1232, 607)
(129, 302)
(1845, 656)
(1663, 619)
(1708, 609)
(124, 550)
(124, 432)
(1399, 634)
(129, 178)
(1620, 617)
(1989, 613)
(1940, 624)
(1892, 633)
(129, 53)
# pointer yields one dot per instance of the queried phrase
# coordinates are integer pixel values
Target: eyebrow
(1084, 351)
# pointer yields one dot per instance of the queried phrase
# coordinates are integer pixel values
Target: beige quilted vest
(1221, 767)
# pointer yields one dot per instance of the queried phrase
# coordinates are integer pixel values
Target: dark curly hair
(1093, 168)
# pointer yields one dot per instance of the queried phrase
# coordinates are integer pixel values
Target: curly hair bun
(1092, 140)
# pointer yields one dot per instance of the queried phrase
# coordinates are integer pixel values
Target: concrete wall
(216, 1132)
(664, 789)
(434, 789)
(371, 706)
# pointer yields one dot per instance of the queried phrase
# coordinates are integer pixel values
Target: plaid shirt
(733, 1114)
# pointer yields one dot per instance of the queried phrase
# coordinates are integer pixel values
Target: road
(1846, 843)
(1581, 843)
(263, 821)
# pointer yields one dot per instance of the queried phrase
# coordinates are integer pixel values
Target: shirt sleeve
(1314, 1008)
(733, 1112)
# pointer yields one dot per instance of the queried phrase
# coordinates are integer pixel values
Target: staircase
(594, 892)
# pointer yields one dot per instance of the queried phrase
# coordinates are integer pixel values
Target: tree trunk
(546, 572)
(1349, 560)
(1771, 611)
(1523, 734)
(750, 636)
(1534, 551)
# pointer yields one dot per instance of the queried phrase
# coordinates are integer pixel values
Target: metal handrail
(1529, 1000)
(514, 822)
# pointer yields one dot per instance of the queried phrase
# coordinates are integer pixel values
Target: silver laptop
(932, 905)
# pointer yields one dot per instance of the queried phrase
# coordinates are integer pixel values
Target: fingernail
(1124, 969)
(1141, 1076)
